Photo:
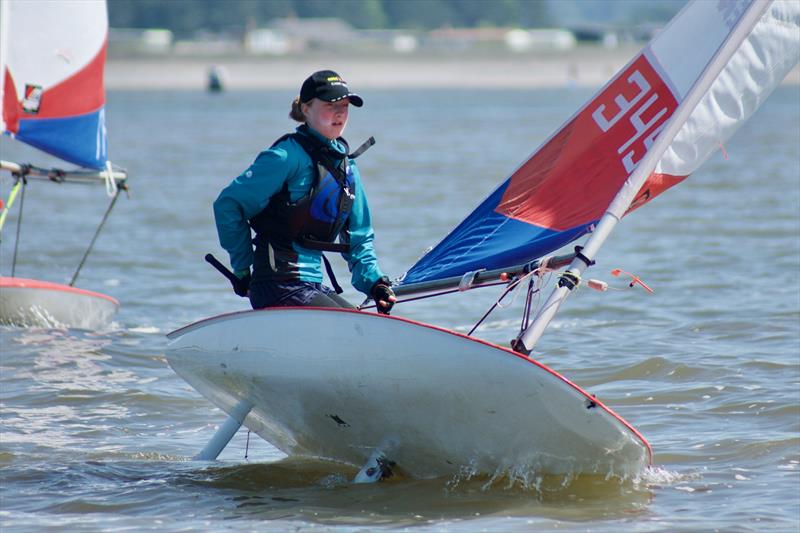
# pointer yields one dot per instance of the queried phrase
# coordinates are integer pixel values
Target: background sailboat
(52, 97)
(428, 398)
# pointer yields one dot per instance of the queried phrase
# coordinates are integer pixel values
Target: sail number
(639, 104)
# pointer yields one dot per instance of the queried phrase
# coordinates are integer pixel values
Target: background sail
(565, 187)
(52, 56)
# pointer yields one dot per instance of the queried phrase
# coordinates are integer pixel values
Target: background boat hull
(27, 302)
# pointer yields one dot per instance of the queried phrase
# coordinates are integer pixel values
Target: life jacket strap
(323, 246)
(331, 276)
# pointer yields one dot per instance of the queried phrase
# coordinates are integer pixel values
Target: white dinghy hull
(28, 302)
(341, 384)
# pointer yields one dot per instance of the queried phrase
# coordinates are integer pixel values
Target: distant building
(611, 36)
(383, 40)
(140, 41)
(208, 44)
(459, 39)
(302, 33)
(267, 41)
(540, 40)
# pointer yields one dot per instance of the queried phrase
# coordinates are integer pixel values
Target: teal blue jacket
(248, 194)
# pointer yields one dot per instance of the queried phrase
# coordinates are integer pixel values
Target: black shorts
(267, 293)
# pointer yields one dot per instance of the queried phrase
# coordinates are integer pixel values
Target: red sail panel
(573, 178)
(11, 105)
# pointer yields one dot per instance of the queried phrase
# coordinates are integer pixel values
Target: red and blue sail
(52, 62)
(558, 194)
(583, 170)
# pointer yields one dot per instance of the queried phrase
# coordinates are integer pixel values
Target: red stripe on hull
(23, 283)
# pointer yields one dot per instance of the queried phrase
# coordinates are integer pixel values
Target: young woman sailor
(298, 197)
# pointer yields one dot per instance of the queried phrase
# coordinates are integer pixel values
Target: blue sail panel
(488, 240)
(79, 139)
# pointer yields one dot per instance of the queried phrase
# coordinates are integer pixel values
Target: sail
(561, 192)
(52, 56)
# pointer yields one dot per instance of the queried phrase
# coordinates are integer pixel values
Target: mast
(622, 201)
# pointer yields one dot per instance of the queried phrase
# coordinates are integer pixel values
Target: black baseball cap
(328, 86)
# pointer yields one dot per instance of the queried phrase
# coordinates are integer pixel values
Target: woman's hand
(383, 295)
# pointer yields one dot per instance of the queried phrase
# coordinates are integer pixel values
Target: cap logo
(335, 81)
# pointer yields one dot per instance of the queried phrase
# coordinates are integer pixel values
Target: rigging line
(96, 234)
(517, 282)
(540, 284)
(510, 288)
(526, 313)
(19, 224)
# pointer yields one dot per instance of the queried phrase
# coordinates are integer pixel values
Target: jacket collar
(334, 144)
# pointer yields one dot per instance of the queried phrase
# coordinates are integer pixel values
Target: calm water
(97, 429)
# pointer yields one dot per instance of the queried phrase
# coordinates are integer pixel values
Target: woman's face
(328, 118)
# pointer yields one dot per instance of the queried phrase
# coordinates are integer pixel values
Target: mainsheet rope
(118, 190)
(534, 287)
(19, 223)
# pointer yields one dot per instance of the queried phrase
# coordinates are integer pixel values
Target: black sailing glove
(242, 284)
(383, 295)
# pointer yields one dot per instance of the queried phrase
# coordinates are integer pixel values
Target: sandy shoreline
(589, 68)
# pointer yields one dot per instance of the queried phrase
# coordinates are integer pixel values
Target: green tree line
(186, 17)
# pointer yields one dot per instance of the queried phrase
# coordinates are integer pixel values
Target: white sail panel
(685, 45)
(761, 63)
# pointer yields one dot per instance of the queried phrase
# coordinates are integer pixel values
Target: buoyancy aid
(315, 220)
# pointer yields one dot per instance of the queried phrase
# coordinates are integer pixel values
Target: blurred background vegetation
(185, 18)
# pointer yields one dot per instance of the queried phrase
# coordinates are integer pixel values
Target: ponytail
(296, 113)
